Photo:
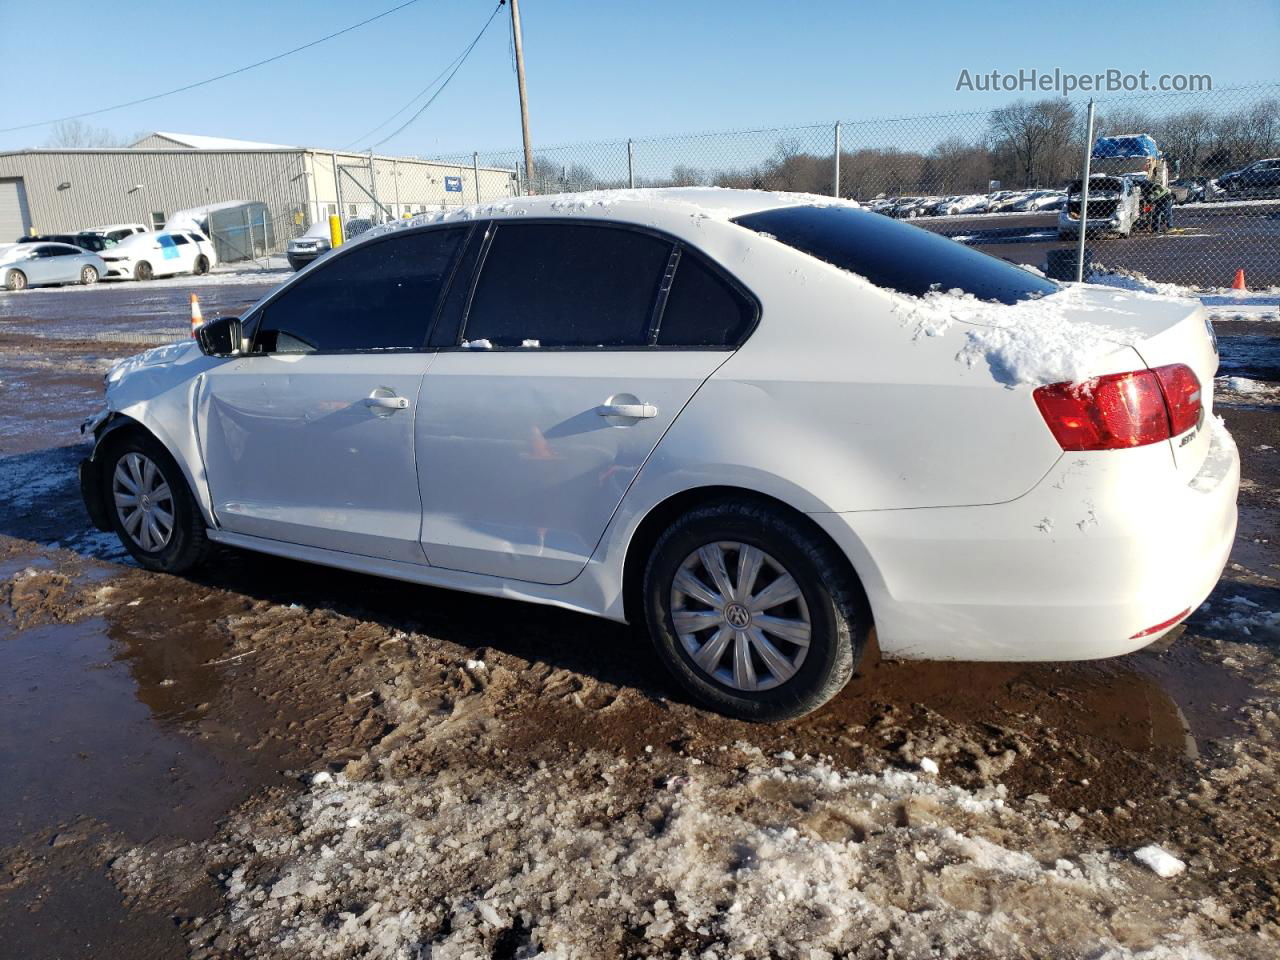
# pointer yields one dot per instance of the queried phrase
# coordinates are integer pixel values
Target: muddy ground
(272, 759)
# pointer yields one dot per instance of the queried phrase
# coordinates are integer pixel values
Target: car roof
(642, 206)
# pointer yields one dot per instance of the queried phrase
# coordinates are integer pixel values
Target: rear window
(895, 255)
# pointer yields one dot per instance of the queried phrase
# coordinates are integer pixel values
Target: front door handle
(633, 411)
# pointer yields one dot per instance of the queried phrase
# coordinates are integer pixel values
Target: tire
(202, 266)
(177, 546)
(15, 280)
(828, 602)
(143, 271)
(89, 275)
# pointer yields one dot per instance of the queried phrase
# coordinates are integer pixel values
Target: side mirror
(221, 337)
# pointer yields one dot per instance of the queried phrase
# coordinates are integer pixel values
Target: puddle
(1249, 355)
(90, 726)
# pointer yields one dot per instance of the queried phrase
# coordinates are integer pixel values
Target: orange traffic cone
(197, 318)
(1238, 283)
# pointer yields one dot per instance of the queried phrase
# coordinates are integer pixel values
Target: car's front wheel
(151, 507)
(15, 280)
(753, 611)
(143, 271)
(89, 275)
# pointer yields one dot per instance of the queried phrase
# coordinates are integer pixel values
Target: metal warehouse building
(63, 190)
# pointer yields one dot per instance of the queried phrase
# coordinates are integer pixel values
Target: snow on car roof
(713, 203)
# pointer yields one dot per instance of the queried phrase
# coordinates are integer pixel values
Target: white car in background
(714, 413)
(39, 264)
(116, 232)
(146, 255)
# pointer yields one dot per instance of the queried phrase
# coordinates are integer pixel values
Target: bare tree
(1035, 139)
(77, 133)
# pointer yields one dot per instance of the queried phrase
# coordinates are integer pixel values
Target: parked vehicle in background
(146, 255)
(1114, 207)
(1259, 179)
(972, 203)
(306, 248)
(609, 407)
(41, 264)
(1038, 200)
(117, 231)
(85, 241)
(1009, 202)
(300, 251)
(1188, 189)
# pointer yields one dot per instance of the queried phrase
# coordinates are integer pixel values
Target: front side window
(376, 296)
(895, 255)
(180, 239)
(567, 285)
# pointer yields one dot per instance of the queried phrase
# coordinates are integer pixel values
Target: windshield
(895, 255)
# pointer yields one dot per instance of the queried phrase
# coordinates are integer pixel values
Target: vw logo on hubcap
(737, 616)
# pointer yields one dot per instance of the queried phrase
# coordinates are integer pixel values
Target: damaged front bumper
(91, 475)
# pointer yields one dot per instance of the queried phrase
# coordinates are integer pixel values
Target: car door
(536, 418)
(309, 438)
(58, 263)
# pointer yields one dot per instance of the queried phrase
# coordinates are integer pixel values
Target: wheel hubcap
(143, 501)
(740, 616)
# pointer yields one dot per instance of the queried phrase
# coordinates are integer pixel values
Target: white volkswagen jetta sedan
(758, 424)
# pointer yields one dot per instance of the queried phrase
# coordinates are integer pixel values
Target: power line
(221, 76)
(452, 65)
(461, 60)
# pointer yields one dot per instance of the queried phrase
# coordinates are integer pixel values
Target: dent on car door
(531, 431)
(309, 439)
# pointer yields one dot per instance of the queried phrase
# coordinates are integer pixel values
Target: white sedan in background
(146, 255)
(750, 422)
(25, 265)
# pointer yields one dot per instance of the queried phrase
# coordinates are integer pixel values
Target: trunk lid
(1164, 331)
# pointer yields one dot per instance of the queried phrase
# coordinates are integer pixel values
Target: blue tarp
(1134, 145)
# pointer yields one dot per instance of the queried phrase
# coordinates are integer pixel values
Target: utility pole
(518, 43)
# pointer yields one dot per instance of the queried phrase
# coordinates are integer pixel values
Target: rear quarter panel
(841, 401)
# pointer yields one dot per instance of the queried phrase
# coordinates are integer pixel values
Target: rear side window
(703, 308)
(377, 296)
(895, 255)
(567, 285)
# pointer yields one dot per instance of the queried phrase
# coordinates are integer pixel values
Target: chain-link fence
(1198, 204)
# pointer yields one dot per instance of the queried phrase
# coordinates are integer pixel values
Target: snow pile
(1161, 861)
(1034, 341)
(1244, 385)
(1127, 280)
(743, 857)
(1243, 616)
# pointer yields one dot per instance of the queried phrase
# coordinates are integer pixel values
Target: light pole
(518, 43)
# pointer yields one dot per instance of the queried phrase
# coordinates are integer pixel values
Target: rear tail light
(1182, 395)
(1121, 409)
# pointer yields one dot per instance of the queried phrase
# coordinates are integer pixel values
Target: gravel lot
(278, 760)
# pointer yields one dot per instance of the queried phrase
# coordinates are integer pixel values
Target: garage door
(15, 218)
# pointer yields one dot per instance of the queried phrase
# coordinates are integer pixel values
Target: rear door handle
(633, 411)
(387, 403)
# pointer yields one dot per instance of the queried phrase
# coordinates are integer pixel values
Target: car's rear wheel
(15, 280)
(89, 275)
(151, 507)
(202, 265)
(143, 271)
(753, 611)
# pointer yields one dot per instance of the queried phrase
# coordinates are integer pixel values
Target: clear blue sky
(596, 70)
